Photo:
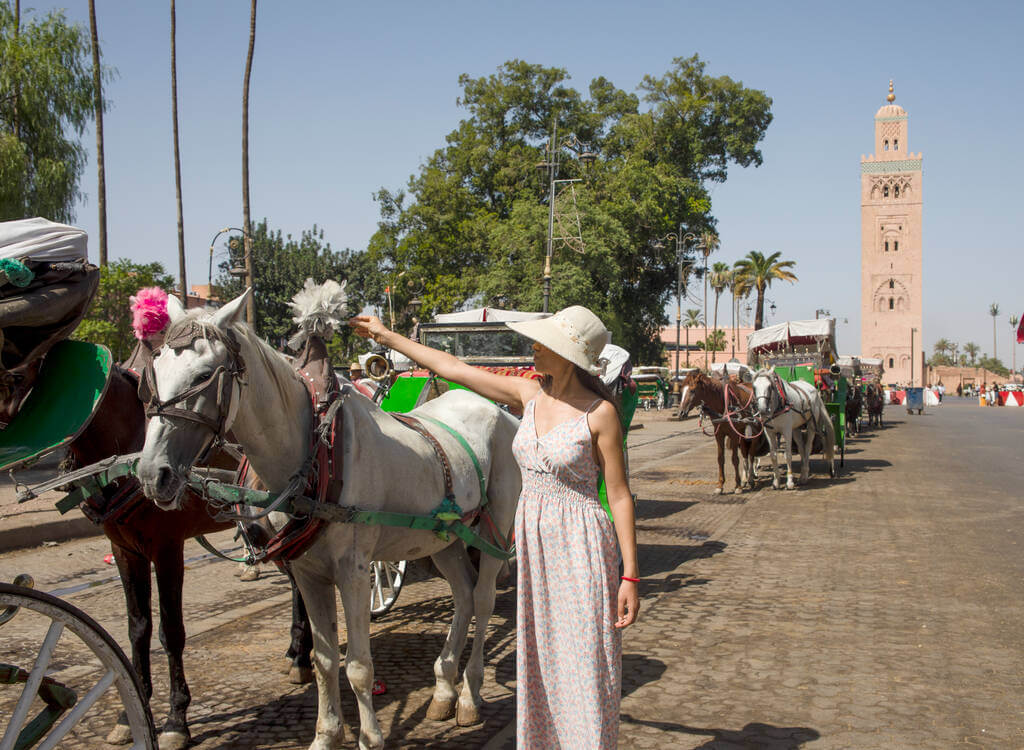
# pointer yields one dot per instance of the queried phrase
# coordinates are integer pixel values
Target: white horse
(386, 467)
(785, 408)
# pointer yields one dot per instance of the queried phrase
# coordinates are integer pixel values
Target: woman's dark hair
(595, 384)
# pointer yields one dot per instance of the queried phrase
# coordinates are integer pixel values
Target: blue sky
(348, 98)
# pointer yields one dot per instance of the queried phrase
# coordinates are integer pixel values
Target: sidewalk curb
(23, 536)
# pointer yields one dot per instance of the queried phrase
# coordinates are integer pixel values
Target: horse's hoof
(251, 573)
(466, 715)
(440, 710)
(174, 740)
(300, 675)
(718, 490)
(738, 491)
(121, 734)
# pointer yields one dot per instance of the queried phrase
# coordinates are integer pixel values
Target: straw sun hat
(574, 333)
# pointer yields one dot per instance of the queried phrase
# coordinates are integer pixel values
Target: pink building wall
(697, 333)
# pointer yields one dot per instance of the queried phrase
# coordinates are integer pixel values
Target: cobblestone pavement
(879, 610)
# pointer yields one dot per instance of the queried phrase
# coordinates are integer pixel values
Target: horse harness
(785, 405)
(305, 499)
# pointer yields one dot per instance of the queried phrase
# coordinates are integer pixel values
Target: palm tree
(971, 350)
(760, 271)
(941, 347)
(250, 311)
(709, 242)
(993, 310)
(1014, 320)
(691, 320)
(97, 102)
(720, 278)
(177, 161)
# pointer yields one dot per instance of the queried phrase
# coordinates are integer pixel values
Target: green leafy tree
(759, 271)
(994, 364)
(472, 223)
(109, 319)
(971, 350)
(715, 342)
(46, 100)
(281, 266)
(944, 353)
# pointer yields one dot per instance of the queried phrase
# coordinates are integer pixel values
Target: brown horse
(875, 403)
(733, 422)
(141, 534)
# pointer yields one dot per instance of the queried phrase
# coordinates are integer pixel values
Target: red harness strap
(296, 536)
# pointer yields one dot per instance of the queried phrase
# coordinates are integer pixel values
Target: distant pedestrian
(942, 391)
(959, 390)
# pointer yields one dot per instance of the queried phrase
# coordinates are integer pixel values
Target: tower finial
(891, 97)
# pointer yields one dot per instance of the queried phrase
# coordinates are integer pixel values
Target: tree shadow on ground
(649, 508)
(753, 735)
(638, 670)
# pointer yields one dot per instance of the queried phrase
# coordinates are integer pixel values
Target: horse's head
(688, 393)
(191, 392)
(763, 384)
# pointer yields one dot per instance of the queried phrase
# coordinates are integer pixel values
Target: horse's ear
(175, 310)
(232, 312)
(771, 369)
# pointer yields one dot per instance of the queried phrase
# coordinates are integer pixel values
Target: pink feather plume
(149, 311)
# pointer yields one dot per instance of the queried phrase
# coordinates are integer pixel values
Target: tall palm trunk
(177, 162)
(994, 355)
(101, 173)
(714, 327)
(759, 310)
(250, 311)
(733, 310)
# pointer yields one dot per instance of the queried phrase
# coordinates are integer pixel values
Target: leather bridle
(223, 379)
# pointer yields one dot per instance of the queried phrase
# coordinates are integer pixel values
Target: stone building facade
(891, 199)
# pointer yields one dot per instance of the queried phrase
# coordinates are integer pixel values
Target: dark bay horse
(141, 534)
(854, 407)
(733, 421)
(875, 402)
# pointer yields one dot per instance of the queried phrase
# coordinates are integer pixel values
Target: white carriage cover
(487, 315)
(738, 369)
(793, 332)
(44, 240)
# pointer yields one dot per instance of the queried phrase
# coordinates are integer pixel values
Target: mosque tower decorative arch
(890, 209)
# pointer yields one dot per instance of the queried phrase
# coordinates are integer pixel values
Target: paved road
(881, 610)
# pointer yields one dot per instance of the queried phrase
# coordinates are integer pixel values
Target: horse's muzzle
(161, 484)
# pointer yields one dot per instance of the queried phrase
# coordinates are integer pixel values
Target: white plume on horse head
(318, 310)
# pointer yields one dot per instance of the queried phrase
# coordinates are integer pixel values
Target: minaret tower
(890, 212)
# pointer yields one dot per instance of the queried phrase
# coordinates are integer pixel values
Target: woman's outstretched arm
(515, 392)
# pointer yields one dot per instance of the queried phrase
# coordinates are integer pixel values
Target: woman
(572, 601)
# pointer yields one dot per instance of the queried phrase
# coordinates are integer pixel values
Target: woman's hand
(629, 604)
(369, 327)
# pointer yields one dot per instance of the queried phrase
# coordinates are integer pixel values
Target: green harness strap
(469, 451)
(94, 485)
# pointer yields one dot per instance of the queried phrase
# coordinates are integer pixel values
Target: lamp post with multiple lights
(550, 165)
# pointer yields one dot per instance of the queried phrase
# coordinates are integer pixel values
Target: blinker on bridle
(183, 337)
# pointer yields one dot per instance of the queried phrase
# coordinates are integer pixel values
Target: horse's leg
(720, 441)
(787, 435)
(454, 566)
(300, 668)
(170, 576)
(135, 579)
(483, 607)
(734, 447)
(774, 438)
(806, 445)
(321, 605)
(355, 598)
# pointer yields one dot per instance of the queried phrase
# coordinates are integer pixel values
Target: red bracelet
(631, 580)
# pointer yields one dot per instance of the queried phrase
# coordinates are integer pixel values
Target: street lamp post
(587, 157)
(681, 239)
(912, 332)
(233, 271)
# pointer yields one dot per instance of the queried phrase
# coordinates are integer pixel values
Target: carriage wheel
(660, 403)
(71, 688)
(386, 579)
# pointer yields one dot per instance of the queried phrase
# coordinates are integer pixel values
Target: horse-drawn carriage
(652, 387)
